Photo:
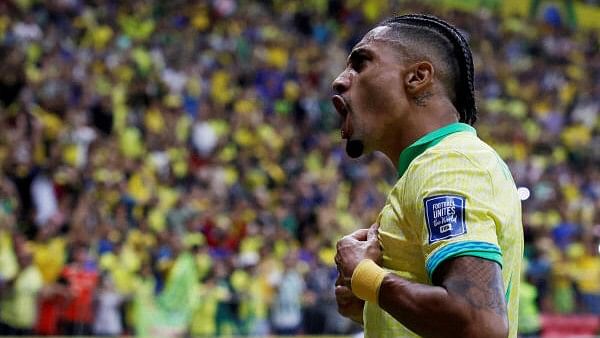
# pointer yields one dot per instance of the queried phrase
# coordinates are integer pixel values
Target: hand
(353, 248)
(348, 304)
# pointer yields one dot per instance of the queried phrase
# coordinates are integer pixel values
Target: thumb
(360, 235)
(373, 231)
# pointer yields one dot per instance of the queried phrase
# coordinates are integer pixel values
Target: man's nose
(341, 83)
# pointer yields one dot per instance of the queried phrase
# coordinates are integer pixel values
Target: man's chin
(355, 148)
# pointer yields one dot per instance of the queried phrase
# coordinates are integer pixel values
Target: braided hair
(452, 42)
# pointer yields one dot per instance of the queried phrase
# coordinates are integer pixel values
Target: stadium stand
(175, 166)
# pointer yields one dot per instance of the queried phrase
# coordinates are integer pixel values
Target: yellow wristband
(366, 280)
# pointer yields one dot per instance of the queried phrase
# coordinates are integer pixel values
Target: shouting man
(444, 256)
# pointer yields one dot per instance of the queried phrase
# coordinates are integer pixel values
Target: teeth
(339, 105)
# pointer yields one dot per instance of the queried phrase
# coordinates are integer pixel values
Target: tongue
(354, 148)
(347, 128)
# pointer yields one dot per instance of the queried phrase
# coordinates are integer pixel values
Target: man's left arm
(465, 300)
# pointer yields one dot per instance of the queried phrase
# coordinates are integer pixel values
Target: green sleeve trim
(483, 250)
(507, 295)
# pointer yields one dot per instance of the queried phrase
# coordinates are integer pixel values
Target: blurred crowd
(175, 167)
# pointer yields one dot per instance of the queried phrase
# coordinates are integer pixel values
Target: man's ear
(418, 76)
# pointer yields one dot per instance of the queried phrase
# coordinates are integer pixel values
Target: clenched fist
(351, 250)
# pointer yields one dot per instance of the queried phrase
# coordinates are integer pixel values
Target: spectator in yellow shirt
(18, 306)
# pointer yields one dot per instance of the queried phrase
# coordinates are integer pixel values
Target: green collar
(428, 141)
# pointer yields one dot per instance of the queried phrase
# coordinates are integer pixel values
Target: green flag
(169, 314)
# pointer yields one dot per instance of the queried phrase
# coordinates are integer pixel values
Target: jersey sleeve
(452, 207)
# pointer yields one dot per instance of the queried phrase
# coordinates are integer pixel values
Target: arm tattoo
(420, 100)
(477, 281)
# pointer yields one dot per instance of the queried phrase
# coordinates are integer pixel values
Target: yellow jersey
(455, 197)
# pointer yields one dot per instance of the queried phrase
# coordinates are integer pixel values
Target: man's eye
(359, 63)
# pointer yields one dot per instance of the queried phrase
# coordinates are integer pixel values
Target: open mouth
(342, 108)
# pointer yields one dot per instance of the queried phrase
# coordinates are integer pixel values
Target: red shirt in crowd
(82, 284)
(50, 310)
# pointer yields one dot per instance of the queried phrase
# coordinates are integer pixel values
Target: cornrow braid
(463, 86)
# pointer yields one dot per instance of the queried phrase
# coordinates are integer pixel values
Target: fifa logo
(445, 216)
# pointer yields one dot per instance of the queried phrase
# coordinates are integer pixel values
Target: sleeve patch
(445, 216)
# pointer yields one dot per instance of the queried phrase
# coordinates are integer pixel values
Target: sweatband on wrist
(366, 280)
